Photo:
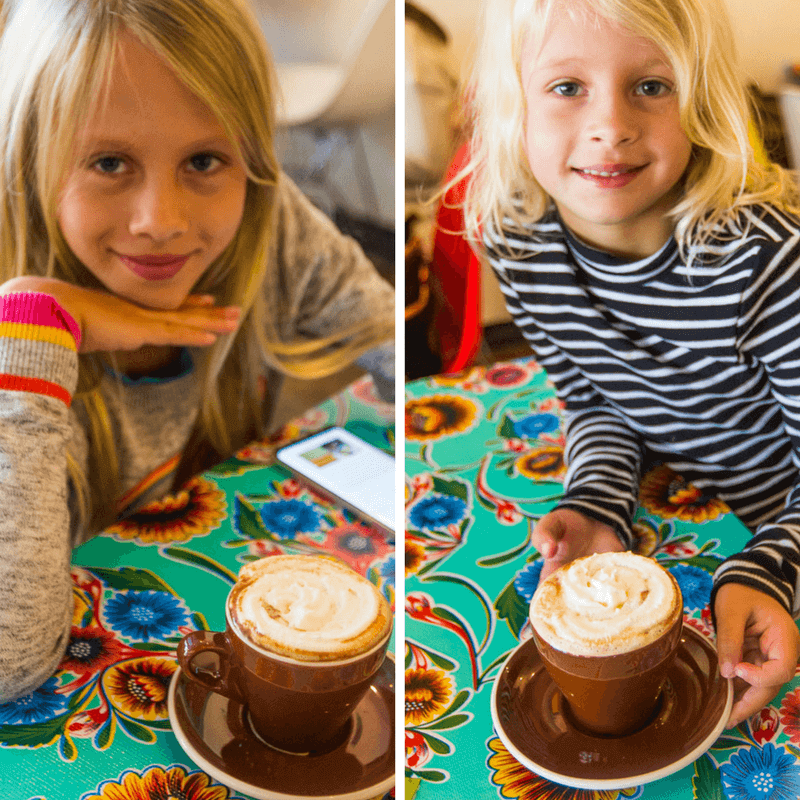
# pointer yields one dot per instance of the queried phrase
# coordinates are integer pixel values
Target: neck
(147, 359)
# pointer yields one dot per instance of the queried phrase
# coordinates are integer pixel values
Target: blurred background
(455, 315)
(335, 62)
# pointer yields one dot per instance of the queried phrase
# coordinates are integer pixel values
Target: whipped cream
(605, 604)
(308, 608)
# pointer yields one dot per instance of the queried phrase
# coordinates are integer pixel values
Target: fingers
(751, 702)
(546, 536)
(773, 672)
(731, 624)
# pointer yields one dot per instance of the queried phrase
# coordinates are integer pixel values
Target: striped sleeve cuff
(770, 563)
(39, 341)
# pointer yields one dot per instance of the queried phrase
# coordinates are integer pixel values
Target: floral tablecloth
(99, 728)
(484, 460)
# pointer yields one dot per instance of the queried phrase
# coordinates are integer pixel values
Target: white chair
(334, 58)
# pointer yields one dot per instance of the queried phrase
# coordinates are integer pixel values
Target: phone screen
(356, 472)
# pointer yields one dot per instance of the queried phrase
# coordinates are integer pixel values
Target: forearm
(771, 560)
(38, 372)
(604, 465)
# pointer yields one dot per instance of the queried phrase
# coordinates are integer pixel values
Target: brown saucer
(216, 735)
(529, 716)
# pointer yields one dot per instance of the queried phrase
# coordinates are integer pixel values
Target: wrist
(41, 310)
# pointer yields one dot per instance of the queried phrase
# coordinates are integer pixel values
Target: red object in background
(457, 270)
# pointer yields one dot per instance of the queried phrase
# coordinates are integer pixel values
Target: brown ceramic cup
(293, 704)
(615, 694)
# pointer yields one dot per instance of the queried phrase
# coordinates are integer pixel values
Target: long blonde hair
(54, 59)
(695, 35)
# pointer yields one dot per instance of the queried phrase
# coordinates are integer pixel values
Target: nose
(612, 119)
(159, 209)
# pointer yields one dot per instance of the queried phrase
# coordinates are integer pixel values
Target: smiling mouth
(609, 173)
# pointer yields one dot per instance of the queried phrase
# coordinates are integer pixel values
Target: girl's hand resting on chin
(564, 535)
(109, 323)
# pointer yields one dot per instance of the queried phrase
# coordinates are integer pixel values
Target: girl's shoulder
(516, 239)
(759, 222)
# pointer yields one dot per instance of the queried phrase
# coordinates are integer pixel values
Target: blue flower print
(536, 424)
(761, 774)
(145, 615)
(386, 569)
(528, 579)
(357, 543)
(286, 518)
(40, 705)
(695, 583)
(437, 511)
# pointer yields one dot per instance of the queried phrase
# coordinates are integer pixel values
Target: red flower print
(790, 715)
(764, 725)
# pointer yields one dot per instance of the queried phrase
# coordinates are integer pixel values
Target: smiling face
(603, 134)
(157, 191)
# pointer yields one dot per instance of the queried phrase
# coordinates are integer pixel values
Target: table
(99, 728)
(484, 460)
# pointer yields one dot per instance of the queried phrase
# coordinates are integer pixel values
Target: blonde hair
(723, 175)
(55, 56)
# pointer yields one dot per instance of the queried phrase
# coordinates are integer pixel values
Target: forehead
(142, 96)
(590, 41)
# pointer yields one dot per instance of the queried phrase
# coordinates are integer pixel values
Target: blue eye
(108, 165)
(567, 89)
(204, 162)
(653, 88)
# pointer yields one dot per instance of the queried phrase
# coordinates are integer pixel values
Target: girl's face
(158, 190)
(603, 133)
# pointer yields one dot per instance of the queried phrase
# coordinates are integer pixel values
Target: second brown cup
(611, 673)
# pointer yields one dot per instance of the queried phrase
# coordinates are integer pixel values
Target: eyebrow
(563, 63)
(102, 143)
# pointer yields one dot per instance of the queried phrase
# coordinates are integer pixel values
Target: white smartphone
(349, 469)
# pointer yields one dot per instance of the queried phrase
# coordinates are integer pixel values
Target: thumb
(731, 624)
(547, 534)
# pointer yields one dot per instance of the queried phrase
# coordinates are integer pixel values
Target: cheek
(81, 221)
(226, 212)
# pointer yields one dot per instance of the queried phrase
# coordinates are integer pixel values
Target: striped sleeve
(604, 458)
(38, 342)
(769, 322)
(604, 455)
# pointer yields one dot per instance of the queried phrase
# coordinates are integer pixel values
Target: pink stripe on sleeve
(38, 308)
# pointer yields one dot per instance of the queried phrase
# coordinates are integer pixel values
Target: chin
(152, 300)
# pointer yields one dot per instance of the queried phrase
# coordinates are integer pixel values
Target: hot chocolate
(308, 608)
(605, 604)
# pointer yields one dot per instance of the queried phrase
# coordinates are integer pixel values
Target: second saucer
(531, 718)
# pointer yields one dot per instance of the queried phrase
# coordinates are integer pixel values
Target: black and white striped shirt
(695, 367)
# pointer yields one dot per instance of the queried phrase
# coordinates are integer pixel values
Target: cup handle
(220, 681)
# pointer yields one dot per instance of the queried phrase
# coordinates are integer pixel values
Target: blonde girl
(653, 265)
(156, 268)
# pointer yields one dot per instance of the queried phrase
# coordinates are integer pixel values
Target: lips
(609, 176)
(154, 267)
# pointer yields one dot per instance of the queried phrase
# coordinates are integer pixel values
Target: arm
(43, 324)
(38, 374)
(757, 592)
(768, 336)
(604, 454)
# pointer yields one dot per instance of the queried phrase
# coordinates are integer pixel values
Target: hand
(109, 323)
(757, 642)
(564, 535)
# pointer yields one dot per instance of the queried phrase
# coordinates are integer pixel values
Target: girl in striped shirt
(654, 266)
